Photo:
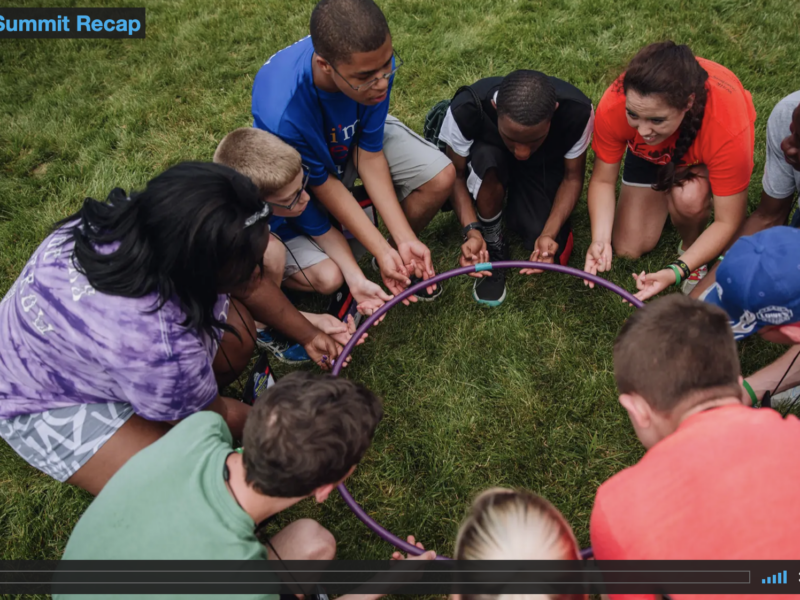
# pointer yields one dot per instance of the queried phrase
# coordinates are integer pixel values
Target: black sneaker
(491, 290)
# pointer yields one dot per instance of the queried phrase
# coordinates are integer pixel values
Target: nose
(522, 152)
(381, 86)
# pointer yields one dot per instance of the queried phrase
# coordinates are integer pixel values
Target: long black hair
(183, 237)
(672, 72)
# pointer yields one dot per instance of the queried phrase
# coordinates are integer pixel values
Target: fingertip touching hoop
(381, 531)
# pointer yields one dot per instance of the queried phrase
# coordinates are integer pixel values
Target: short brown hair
(341, 28)
(266, 159)
(307, 431)
(677, 350)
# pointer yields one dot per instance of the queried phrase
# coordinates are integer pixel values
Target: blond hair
(506, 524)
(267, 160)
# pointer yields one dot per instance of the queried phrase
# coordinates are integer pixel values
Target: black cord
(769, 395)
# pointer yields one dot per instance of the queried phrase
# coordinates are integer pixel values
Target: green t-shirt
(170, 502)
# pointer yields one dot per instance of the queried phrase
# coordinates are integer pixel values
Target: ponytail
(673, 73)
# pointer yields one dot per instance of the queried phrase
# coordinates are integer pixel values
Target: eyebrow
(370, 72)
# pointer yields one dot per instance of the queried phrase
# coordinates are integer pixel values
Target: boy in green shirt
(191, 496)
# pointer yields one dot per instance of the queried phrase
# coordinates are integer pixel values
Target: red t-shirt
(724, 142)
(724, 486)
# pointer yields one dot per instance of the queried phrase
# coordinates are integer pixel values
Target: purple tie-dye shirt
(63, 343)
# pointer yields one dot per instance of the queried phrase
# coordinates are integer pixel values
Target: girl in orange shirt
(686, 128)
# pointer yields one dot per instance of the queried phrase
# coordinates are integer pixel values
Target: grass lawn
(522, 395)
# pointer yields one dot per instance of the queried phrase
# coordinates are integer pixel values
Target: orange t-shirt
(724, 486)
(724, 142)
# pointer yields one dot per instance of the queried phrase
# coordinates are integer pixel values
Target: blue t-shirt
(312, 221)
(288, 104)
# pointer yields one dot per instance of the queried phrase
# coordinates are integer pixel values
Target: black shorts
(638, 172)
(531, 187)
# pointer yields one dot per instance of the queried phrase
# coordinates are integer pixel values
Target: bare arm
(341, 204)
(460, 199)
(567, 195)
(765, 380)
(729, 214)
(374, 172)
(602, 199)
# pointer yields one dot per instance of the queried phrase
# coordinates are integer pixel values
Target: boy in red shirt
(711, 461)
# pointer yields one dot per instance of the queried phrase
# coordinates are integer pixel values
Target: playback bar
(400, 577)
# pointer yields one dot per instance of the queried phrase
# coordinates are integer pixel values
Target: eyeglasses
(297, 197)
(365, 86)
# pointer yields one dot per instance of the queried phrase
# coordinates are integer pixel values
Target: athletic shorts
(301, 253)
(60, 441)
(531, 191)
(638, 172)
(413, 161)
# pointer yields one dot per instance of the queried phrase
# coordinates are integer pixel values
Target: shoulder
(281, 83)
(201, 429)
(569, 94)
(781, 115)
(729, 106)
(613, 99)
(464, 108)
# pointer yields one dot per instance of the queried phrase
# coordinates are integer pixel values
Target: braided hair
(672, 72)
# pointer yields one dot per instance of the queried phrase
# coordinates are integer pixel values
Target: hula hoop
(382, 532)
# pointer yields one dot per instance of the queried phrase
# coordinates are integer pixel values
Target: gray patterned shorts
(60, 441)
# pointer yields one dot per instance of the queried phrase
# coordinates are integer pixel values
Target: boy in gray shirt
(781, 181)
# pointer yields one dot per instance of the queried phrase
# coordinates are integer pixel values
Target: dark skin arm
(473, 250)
(267, 303)
(567, 195)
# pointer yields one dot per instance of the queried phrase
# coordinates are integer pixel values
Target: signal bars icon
(778, 578)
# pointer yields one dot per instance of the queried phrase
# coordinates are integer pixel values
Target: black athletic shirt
(566, 128)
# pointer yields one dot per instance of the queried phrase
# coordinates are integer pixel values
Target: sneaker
(694, 278)
(342, 305)
(491, 290)
(282, 349)
(785, 400)
(259, 380)
(423, 295)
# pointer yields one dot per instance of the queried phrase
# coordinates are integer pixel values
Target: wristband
(470, 227)
(677, 272)
(750, 392)
(683, 267)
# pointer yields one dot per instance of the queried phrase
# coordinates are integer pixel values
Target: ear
(791, 331)
(638, 409)
(323, 64)
(321, 493)
(690, 102)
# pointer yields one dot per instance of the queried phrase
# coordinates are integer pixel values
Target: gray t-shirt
(780, 179)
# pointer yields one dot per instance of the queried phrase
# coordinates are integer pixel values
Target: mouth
(380, 98)
(650, 138)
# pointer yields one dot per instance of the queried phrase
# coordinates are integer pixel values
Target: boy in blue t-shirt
(328, 96)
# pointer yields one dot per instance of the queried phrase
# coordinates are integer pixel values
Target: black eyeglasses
(297, 197)
(365, 86)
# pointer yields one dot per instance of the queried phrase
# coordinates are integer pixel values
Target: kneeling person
(677, 370)
(525, 134)
(191, 496)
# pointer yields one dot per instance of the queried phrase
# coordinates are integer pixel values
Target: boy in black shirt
(525, 134)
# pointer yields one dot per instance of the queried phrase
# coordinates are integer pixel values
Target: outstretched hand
(650, 284)
(473, 251)
(369, 297)
(394, 273)
(429, 555)
(417, 260)
(598, 260)
(544, 251)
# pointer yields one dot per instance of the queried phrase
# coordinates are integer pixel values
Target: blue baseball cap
(758, 281)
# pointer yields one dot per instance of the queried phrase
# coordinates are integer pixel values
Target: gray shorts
(413, 160)
(58, 442)
(301, 253)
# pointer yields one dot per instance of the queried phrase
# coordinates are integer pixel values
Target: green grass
(522, 395)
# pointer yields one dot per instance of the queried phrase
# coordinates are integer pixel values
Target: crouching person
(192, 496)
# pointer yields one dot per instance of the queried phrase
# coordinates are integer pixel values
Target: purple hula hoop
(384, 533)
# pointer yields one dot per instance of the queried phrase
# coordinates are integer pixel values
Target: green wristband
(750, 392)
(677, 272)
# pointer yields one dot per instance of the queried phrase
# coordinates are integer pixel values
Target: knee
(692, 200)
(317, 542)
(275, 258)
(631, 248)
(327, 277)
(441, 185)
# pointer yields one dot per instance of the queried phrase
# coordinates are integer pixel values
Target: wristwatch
(470, 227)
